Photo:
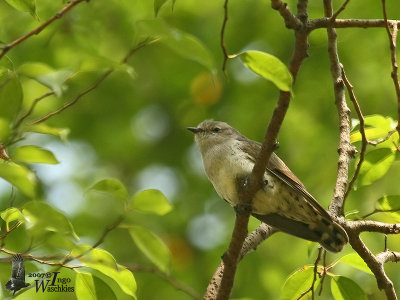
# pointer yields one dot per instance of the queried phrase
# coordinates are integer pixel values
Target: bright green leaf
(33, 154)
(151, 201)
(343, 288)
(376, 164)
(19, 176)
(389, 202)
(355, 261)
(112, 187)
(152, 246)
(84, 286)
(268, 67)
(62, 133)
(44, 217)
(104, 262)
(378, 121)
(298, 282)
(376, 127)
(24, 5)
(34, 69)
(12, 214)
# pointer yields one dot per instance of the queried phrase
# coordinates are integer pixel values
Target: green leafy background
(123, 150)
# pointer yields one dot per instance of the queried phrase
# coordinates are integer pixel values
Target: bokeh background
(133, 127)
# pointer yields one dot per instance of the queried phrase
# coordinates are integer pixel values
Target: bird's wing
(277, 167)
(18, 268)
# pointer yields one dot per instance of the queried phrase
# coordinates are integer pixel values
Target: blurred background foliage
(132, 127)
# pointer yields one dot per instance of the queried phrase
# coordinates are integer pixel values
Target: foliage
(93, 148)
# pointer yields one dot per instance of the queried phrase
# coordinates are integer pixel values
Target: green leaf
(84, 286)
(151, 201)
(104, 262)
(376, 127)
(157, 5)
(376, 164)
(19, 176)
(343, 288)
(55, 80)
(24, 5)
(151, 246)
(182, 43)
(10, 96)
(4, 129)
(44, 217)
(298, 282)
(389, 202)
(62, 133)
(355, 261)
(268, 67)
(112, 187)
(12, 214)
(44, 74)
(33, 154)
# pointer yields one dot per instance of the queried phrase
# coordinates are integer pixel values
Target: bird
(17, 280)
(282, 201)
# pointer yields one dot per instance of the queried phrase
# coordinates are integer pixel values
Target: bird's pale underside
(282, 202)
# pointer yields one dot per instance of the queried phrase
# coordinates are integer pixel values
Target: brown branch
(222, 36)
(372, 226)
(170, 279)
(346, 151)
(248, 186)
(291, 20)
(388, 256)
(375, 264)
(94, 85)
(392, 45)
(38, 29)
(251, 242)
(348, 23)
(364, 140)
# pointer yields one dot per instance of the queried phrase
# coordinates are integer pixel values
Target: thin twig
(340, 9)
(31, 109)
(393, 57)
(348, 23)
(311, 288)
(222, 37)
(170, 279)
(38, 29)
(15, 226)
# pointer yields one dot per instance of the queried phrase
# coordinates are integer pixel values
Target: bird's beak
(194, 129)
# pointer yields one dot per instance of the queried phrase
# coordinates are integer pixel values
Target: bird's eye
(216, 129)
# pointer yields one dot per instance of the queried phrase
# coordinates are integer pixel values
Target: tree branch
(251, 242)
(346, 151)
(38, 29)
(347, 23)
(252, 184)
(392, 44)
